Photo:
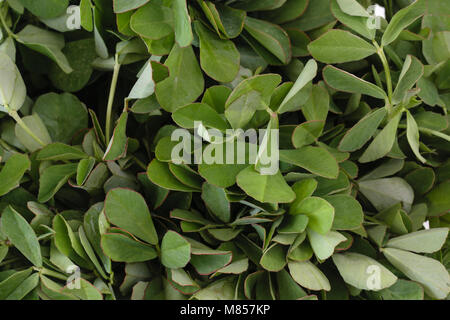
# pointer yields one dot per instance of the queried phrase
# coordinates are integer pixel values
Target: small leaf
(383, 142)
(343, 81)
(21, 235)
(402, 19)
(339, 46)
(185, 82)
(424, 241)
(117, 147)
(213, 49)
(46, 42)
(361, 132)
(412, 134)
(182, 23)
(12, 172)
(12, 88)
(384, 193)
(122, 248)
(175, 251)
(274, 258)
(314, 159)
(308, 73)
(60, 152)
(411, 72)
(54, 178)
(309, 276)
(127, 210)
(319, 212)
(121, 6)
(363, 272)
(265, 188)
(323, 245)
(428, 272)
(216, 200)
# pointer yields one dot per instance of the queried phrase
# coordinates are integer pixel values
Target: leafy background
(86, 176)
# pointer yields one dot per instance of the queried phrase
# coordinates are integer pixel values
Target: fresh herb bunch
(94, 206)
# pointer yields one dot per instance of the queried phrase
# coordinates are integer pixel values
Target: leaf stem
(21, 123)
(52, 273)
(112, 92)
(387, 71)
(8, 30)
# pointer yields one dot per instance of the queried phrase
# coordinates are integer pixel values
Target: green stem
(20, 122)
(387, 71)
(112, 92)
(53, 274)
(8, 30)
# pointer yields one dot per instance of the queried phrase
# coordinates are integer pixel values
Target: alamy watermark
(73, 21)
(376, 12)
(235, 146)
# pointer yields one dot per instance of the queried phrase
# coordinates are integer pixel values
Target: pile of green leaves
(87, 179)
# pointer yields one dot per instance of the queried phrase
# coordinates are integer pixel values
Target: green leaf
(339, 46)
(348, 213)
(274, 258)
(303, 189)
(122, 248)
(186, 116)
(402, 19)
(85, 167)
(13, 171)
(25, 287)
(80, 54)
(438, 201)
(319, 212)
(317, 106)
(118, 145)
(271, 37)
(383, 142)
(182, 23)
(46, 9)
(317, 14)
(10, 284)
(127, 210)
(216, 200)
(21, 235)
(353, 15)
(363, 272)
(60, 152)
(47, 43)
(343, 81)
(152, 21)
(54, 178)
(308, 275)
(384, 193)
(213, 49)
(411, 72)
(289, 11)
(412, 134)
(307, 133)
(360, 133)
(424, 241)
(64, 115)
(265, 188)
(12, 88)
(175, 251)
(314, 159)
(308, 73)
(159, 173)
(403, 290)
(121, 6)
(185, 82)
(86, 291)
(428, 272)
(323, 245)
